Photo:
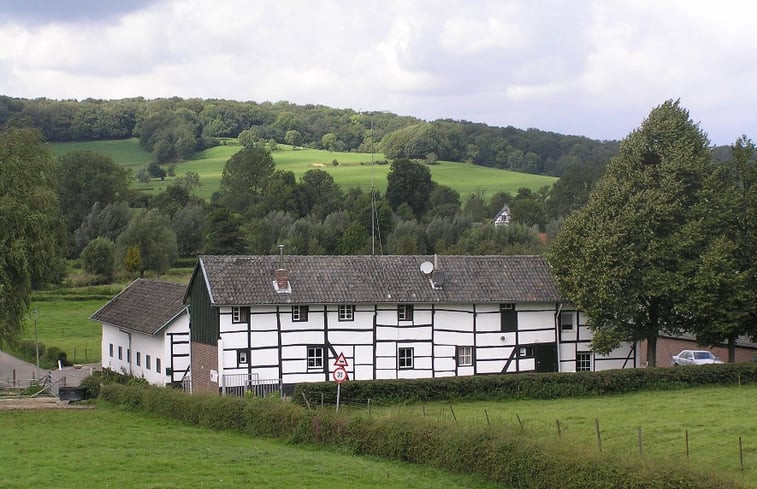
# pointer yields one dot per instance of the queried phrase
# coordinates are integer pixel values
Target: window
(128, 355)
(508, 318)
(566, 320)
(346, 312)
(583, 361)
(157, 365)
(526, 352)
(464, 356)
(240, 314)
(315, 357)
(299, 313)
(110, 349)
(147, 362)
(405, 358)
(120, 353)
(243, 357)
(405, 312)
(139, 359)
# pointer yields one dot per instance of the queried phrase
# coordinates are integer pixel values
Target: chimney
(282, 278)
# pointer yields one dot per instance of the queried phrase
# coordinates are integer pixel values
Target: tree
(86, 177)
(410, 183)
(31, 236)
(245, 176)
(99, 257)
(189, 225)
(150, 231)
(293, 138)
(319, 194)
(625, 257)
(106, 222)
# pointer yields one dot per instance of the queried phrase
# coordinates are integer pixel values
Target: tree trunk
(652, 350)
(732, 349)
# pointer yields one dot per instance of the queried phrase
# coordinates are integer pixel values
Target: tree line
(172, 129)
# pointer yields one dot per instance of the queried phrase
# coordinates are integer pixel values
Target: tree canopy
(628, 256)
(32, 233)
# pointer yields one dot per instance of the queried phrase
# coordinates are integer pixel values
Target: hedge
(527, 385)
(501, 454)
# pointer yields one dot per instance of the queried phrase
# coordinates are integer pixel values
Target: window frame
(405, 362)
(405, 312)
(157, 364)
(110, 349)
(567, 326)
(139, 359)
(508, 318)
(240, 314)
(346, 312)
(243, 357)
(315, 357)
(526, 351)
(461, 355)
(301, 314)
(120, 352)
(148, 364)
(583, 361)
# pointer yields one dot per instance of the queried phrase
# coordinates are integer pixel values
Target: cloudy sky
(594, 68)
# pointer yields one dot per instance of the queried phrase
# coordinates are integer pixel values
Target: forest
(174, 128)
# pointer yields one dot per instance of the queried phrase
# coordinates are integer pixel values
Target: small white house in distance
(145, 332)
(258, 321)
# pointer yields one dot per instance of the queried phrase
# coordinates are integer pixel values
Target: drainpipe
(558, 334)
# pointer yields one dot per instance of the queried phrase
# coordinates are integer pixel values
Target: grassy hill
(353, 169)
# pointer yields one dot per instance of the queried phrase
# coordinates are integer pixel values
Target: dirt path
(15, 372)
(39, 403)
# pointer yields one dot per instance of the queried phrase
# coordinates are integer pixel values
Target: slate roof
(248, 280)
(145, 306)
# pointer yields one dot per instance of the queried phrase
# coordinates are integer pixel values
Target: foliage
(625, 258)
(244, 178)
(150, 231)
(107, 222)
(189, 225)
(409, 183)
(31, 240)
(501, 454)
(86, 178)
(99, 257)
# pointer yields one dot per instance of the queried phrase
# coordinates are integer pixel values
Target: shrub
(529, 385)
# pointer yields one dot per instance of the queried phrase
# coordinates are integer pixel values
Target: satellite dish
(427, 267)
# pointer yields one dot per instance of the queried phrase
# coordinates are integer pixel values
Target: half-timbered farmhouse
(145, 332)
(258, 320)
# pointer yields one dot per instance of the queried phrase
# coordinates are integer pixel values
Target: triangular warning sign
(341, 361)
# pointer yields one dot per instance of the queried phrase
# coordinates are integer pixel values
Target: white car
(694, 357)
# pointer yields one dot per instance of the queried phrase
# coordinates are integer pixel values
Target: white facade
(160, 359)
(301, 343)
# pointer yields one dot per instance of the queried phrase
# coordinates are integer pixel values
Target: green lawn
(715, 418)
(353, 170)
(107, 447)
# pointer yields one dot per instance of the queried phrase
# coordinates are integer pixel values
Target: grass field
(715, 418)
(353, 170)
(106, 447)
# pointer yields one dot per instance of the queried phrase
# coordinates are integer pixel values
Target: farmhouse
(145, 332)
(260, 322)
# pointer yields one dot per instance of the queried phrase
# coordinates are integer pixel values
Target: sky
(590, 68)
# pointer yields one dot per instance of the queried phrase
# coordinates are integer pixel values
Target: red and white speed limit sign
(339, 375)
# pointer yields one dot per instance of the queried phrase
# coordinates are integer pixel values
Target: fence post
(487, 417)
(641, 444)
(453, 413)
(559, 431)
(599, 436)
(307, 403)
(522, 430)
(741, 455)
(687, 444)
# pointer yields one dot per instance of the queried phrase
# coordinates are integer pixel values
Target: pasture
(108, 447)
(713, 417)
(353, 169)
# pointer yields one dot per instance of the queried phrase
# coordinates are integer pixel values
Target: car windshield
(703, 355)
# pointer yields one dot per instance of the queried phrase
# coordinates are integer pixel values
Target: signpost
(339, 375)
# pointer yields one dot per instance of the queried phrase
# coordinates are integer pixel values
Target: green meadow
(352, 170)
(109, 447)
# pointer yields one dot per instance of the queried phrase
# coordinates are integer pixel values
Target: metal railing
(245, 384)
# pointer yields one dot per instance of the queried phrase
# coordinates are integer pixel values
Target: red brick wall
(667, 347)
(204, 359)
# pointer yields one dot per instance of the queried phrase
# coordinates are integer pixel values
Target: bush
(99, 257)
(529, 385)
(504, 455)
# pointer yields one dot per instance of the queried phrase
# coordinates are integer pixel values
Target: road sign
(339, 375)
(341, 361)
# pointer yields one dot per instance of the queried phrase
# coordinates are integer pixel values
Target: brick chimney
(282, 278)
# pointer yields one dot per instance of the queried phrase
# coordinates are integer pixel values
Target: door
(546, 357)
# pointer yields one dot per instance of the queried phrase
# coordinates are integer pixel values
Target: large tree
(409, 182)
(245, 176)
(31, 229)
(625, 258)
(86, 177)
(150, 232)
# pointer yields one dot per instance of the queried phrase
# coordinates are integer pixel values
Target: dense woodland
(172, 129)
(667, 204)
